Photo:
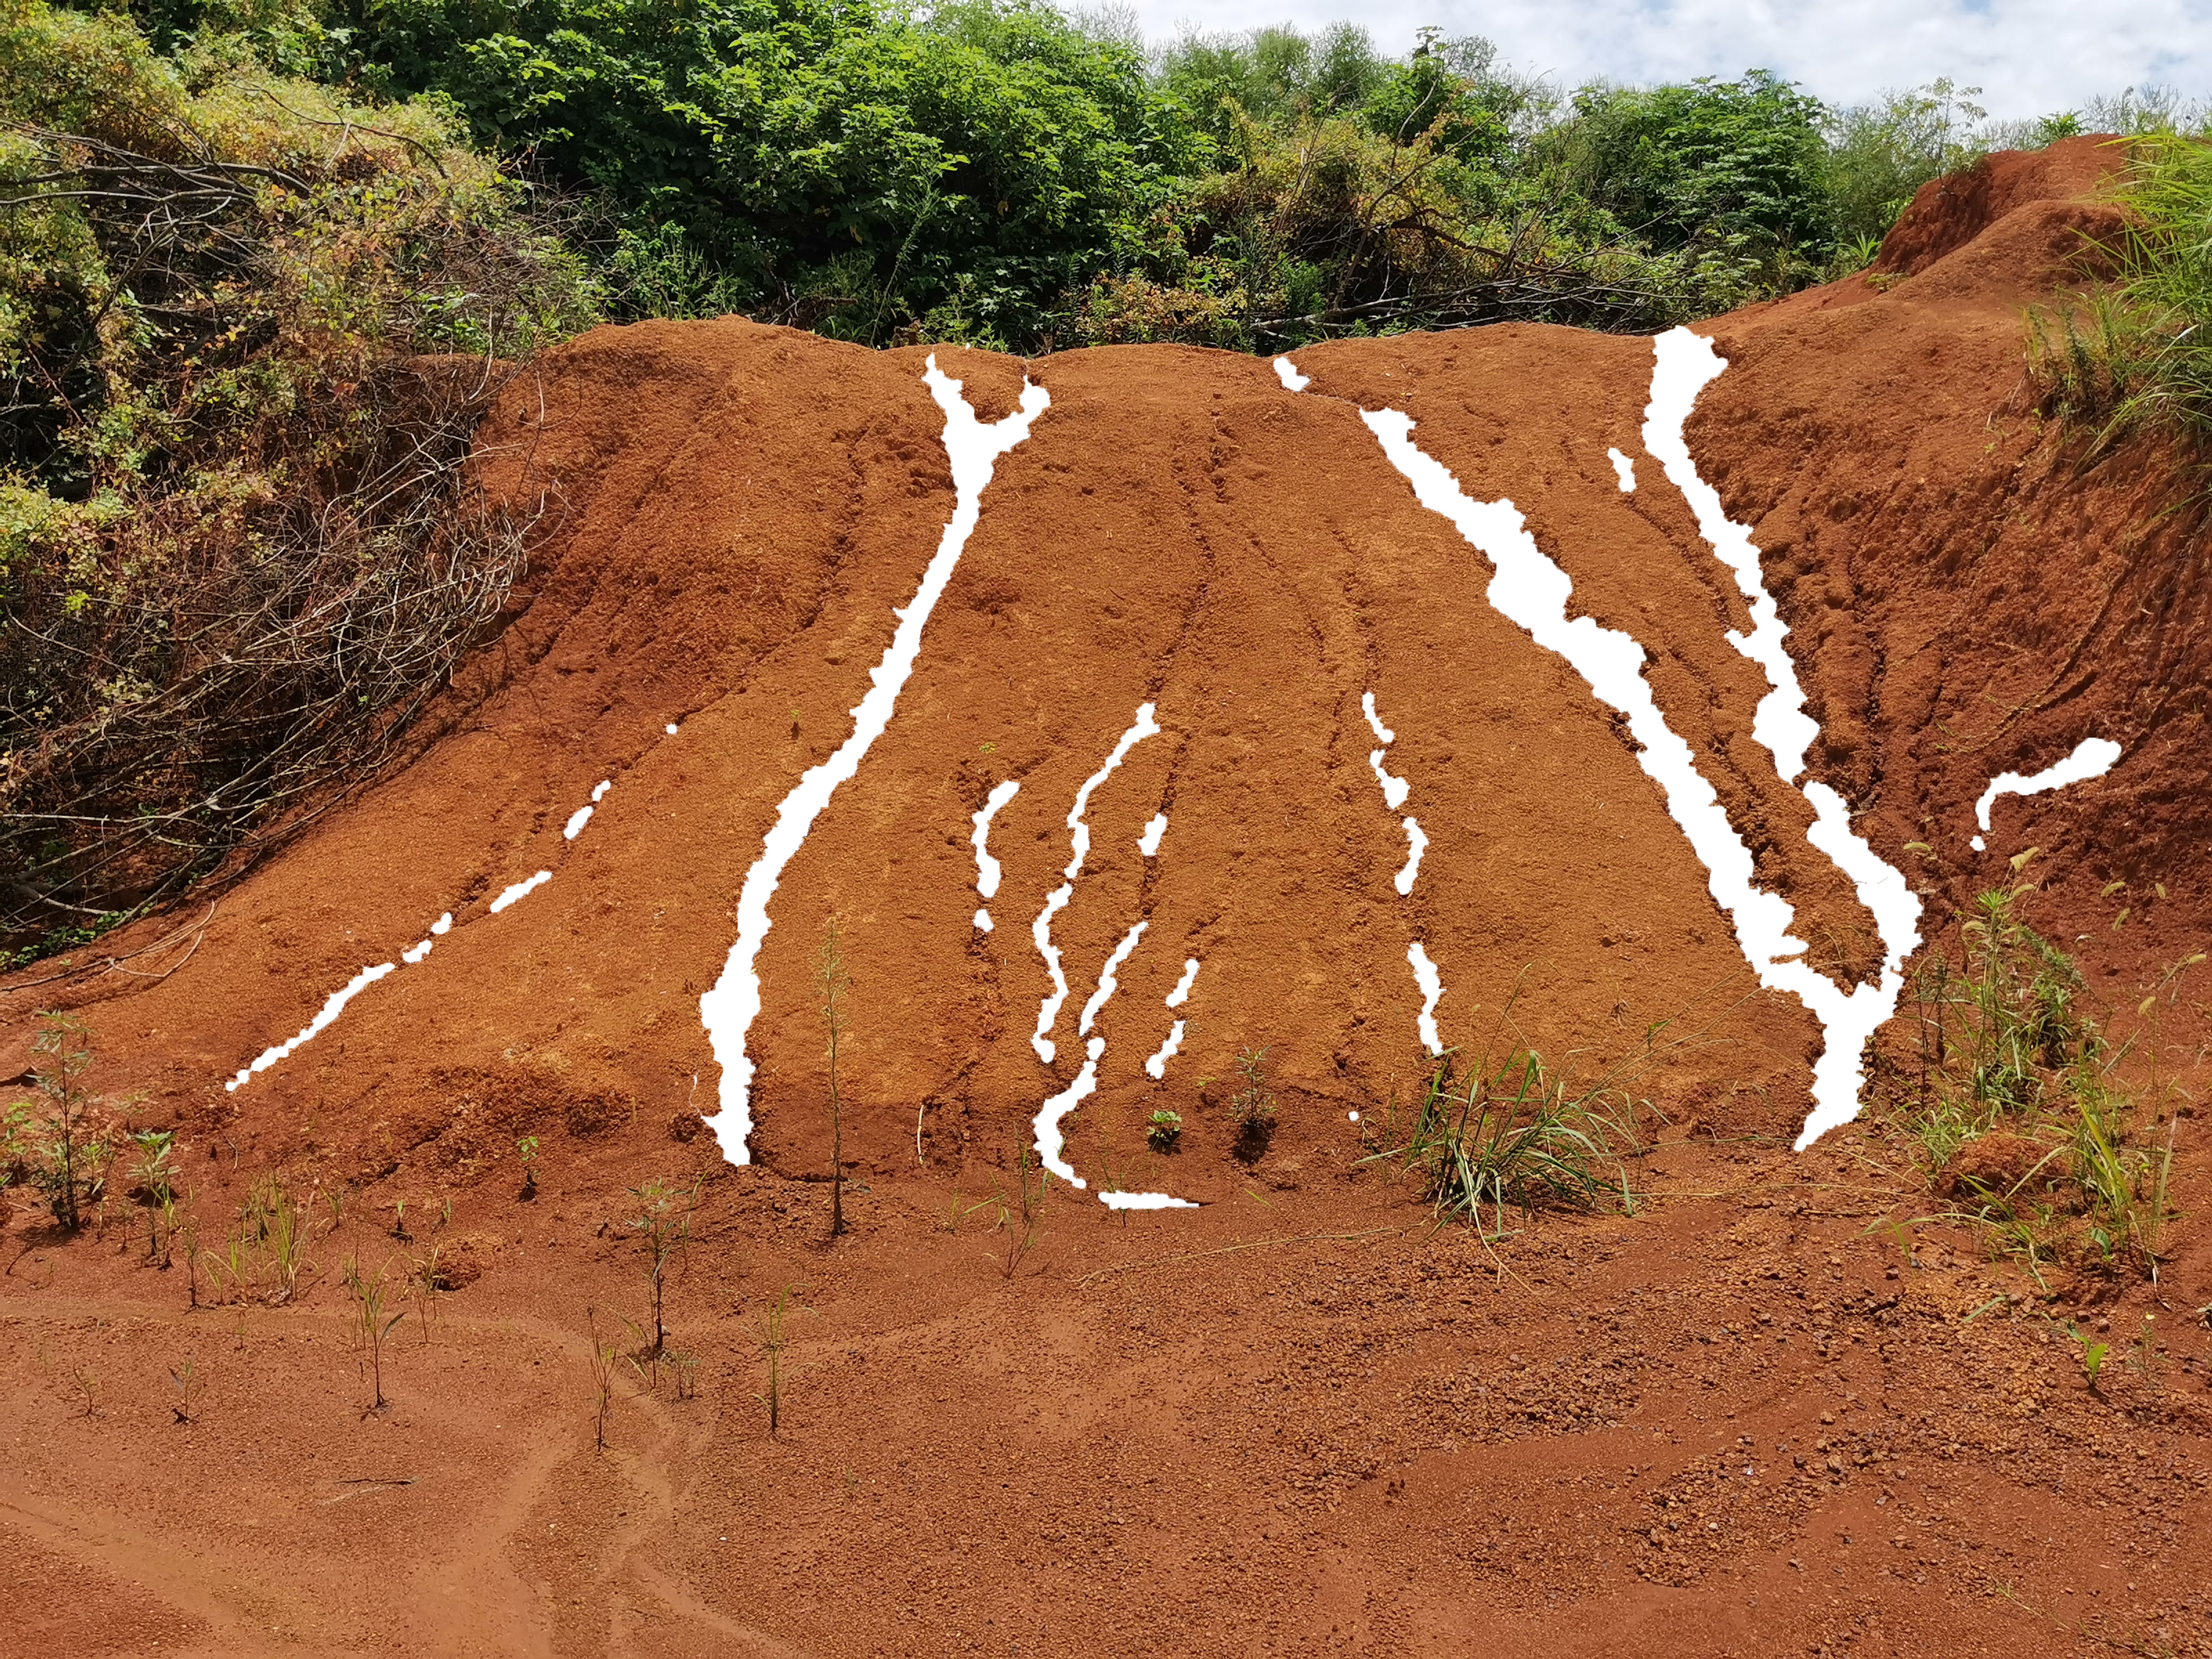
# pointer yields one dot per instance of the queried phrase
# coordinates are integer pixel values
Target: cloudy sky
(2030, 57)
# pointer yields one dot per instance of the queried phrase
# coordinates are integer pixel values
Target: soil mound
(741, 512)
(1136, 713)
(1947, 213)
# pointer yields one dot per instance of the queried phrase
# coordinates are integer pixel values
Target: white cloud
(2030, 57)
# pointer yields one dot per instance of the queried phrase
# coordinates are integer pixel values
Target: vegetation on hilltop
(263, 262)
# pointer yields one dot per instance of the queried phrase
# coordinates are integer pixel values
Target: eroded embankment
(1371, 803)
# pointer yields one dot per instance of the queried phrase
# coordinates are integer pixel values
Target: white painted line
(1149, 842)
(2092, 758)
(1107, 982)
(520, 891)
(987, 867)
(1432, 988)
(1050, 1143)
(1156, 1067)
(1079, 842)
(728, 1011)
(1287, 372)
(1623, 470)
(1417, 843)
(322, 1022)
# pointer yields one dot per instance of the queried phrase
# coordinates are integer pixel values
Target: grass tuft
(1513, 1139)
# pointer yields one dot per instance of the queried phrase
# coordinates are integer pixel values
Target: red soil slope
(1337, 1434)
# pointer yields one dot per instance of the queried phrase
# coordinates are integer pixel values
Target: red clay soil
(1759, 1412)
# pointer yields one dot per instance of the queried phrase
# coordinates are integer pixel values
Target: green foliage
(237, 548)
(2008, 1048)
(1881, 153)
(1713, 165)
(1163, 1132)
(55, 1141)
(2137, 356)
(841, 166)
(1513, 1138)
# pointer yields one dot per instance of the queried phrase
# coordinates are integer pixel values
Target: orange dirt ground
(1747, 1418)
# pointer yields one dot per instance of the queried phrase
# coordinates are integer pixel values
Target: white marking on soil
(582, 815)
(443, 925)
(1287, 372)
(1623, 470)
(987, 867)
(322, 1022)
(417, 951)
(1531, 591)
(1156, 1067)
(1049, 1143)
(1417, 843)
(1107, 982)
(1079, 841)
(1180, 994)
(1683, 363)
(2092, 758)
(670, 728)
(1393, 789)
(1149, 842)
(520, 891)
(728, 1010)
(1143, 1202)
(1432, 988)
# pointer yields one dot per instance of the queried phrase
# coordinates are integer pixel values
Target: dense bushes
(263, 262)
(246, 330)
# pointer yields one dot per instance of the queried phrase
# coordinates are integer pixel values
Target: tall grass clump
(2026, 1114)
(59, 1141)
(1513, 1138)
(2135, 355)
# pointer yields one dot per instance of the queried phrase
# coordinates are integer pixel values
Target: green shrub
(246, 327)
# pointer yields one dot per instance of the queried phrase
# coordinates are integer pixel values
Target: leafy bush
(246, 327)
(2015, 1065)
(2136, 355)
(840, 166)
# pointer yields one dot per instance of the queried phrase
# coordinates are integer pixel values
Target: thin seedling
(772, 1347)
(1252, 1108)
(1022, 1218)
(602, 1378)
(188, 1381)
(53, 1138)
(664, 1221)
(526, 1149)
(282, 1223)
(371, 1327)
(425, 1280)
